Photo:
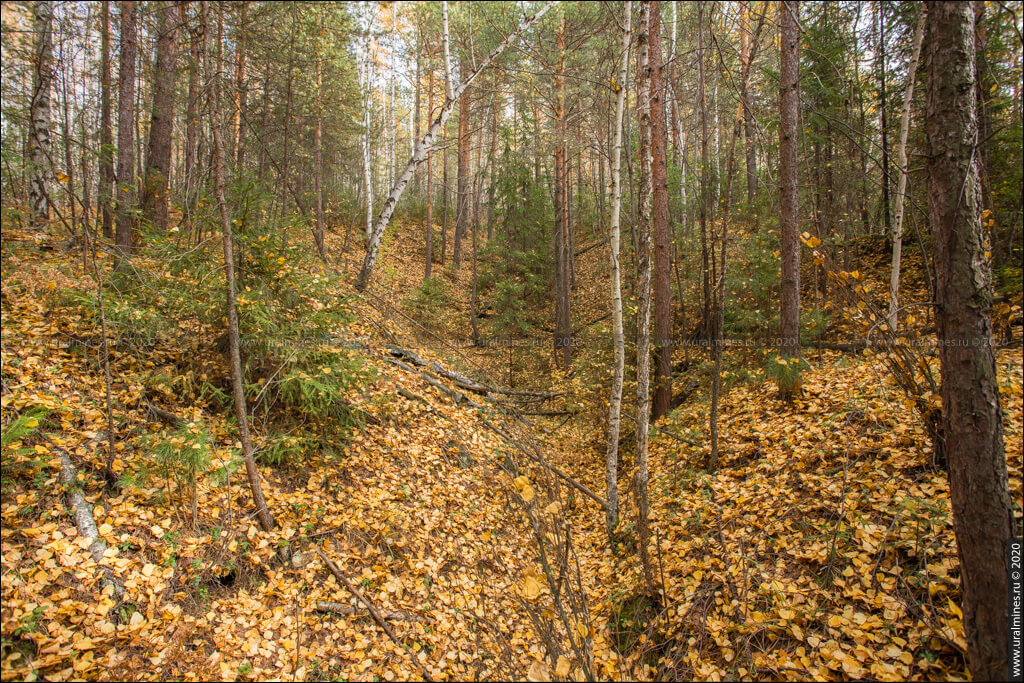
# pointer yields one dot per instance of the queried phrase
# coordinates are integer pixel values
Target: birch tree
(615, 399)
(904, 171)
(643, 288)
(40, 115)
(427, 141)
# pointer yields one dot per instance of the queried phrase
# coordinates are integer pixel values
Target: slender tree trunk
(416, 105)
(367, 170)
(318, 161)
(68, 157)
(983, 89)
(618, 338)
(106, 155)
(718, 335)
(789, 219)
(444, 202)
(901, 162)
(126, 127)
(880, 52)
(40, 115)
(420, 153)
(705, 161)
(748, 111)
(161, 127)
(286, 158)
(971, 411)
(660, 227)
(563, 246)
(241, 88)
(192, 153)
(430, 182)
(462, 177)
(237, 381)
(643, 315)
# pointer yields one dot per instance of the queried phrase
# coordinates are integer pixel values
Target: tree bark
(430, 183)
(747, 55)
(237, 383)
(702, 107)
(126, 127)
(563, 247)
(241, 91)
(880, 59)
(40, 115)
(161, 127)
(789, 219)
(367, 171)
(318, 162)
(192, 148)
(462, 177)
(660, 228)
(901, 162)
(618, 338)
(106, 155)
(643, 264)
(971, 412)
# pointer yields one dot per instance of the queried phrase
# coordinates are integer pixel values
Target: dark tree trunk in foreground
(237, 384)
(972, 417)
(789, 110)
(126, 127)
(660, 229)
(158, 159)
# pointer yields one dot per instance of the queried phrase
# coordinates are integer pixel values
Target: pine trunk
(126, 127)
(660, 227)
(789, 112)
(161, 127)
(971, 411)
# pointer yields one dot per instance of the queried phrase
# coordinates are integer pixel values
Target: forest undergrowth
(447, 533)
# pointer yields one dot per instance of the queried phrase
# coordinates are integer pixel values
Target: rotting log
(84, 520)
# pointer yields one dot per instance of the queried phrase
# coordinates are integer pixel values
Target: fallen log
(84, 520)
(328, 607)
(459, 397)
(460, 380)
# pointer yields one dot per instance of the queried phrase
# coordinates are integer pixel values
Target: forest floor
(821, 548)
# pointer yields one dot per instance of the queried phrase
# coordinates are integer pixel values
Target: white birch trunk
(39, 135)
(424, 145)
(643, 285)
(901, 163)
(615, 400)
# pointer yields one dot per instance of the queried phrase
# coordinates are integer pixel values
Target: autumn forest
(545, 341)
